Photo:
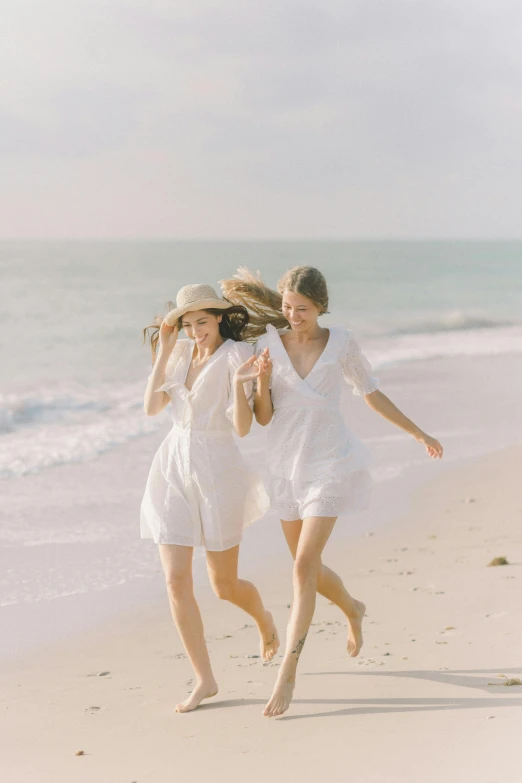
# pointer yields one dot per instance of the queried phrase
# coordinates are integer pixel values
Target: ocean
(441, 323)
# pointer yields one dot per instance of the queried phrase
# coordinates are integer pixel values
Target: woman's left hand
(433, 447)
(247, 371)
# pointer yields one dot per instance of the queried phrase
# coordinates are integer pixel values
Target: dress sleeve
(261, 344)
(172, 363)
(356, 367)
(238, 355)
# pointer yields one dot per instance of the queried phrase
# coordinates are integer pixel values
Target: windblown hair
(232, 325)
(264, 305)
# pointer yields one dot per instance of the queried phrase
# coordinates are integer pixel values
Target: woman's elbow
(242, 428)
(151, 409)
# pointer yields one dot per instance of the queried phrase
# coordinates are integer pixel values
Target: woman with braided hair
(318, 469)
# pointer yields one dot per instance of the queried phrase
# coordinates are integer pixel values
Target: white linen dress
(200, 491)
(316, 466)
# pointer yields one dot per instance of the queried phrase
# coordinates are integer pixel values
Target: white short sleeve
(172, 363)
(356, 367)
(261, 344)
(238, 355)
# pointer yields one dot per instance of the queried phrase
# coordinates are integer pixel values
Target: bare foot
(204, 690)
(269, 639)
(355, 638)
(280, 699)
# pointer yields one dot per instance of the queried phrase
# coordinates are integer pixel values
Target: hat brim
(205, 304)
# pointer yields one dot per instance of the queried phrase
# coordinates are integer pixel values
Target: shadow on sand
(467, 678)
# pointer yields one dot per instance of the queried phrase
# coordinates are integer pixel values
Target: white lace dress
(200, 491)
(316, 466)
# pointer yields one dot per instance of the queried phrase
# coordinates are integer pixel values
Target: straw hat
(195, 297)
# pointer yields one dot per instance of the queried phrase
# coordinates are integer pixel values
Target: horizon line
(261, 239)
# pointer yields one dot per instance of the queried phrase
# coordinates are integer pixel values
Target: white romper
(200, 491)
(316, 466)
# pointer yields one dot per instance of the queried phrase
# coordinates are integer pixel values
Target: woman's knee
(306, 569)
(179, 584)
(224, 587)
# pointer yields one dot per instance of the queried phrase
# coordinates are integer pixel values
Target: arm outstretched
(380, 403)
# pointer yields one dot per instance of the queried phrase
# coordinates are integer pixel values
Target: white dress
(316, 466)
(200, 491)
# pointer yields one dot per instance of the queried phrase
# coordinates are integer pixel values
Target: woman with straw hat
(200, 491)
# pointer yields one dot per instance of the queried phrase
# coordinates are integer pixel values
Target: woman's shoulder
(339, 339)
(239, 352)
(345, 334)
(343, 344)
(261, 342)
(271, 332)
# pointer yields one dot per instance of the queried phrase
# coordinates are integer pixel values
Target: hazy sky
(269, 118)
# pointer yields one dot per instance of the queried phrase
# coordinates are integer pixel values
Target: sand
(425, 701)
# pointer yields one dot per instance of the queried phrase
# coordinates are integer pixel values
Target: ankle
(286, 678)
(209, 679)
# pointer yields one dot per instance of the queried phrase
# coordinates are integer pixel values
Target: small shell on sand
(80, 753)
(498, 561)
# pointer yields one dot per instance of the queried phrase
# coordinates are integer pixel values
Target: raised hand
(264, 363)
(167, 337)
(247, 371)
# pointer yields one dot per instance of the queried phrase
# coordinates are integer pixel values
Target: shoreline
(441, 626)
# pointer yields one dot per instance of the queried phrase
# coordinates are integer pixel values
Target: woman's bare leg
(331, 586)
(222, 570)
(315, 532)
(177, 566)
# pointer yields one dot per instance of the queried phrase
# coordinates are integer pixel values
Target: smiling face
(202, 327)
(300, 312)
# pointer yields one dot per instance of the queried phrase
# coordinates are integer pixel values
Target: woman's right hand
(264, 365)
(168, 336)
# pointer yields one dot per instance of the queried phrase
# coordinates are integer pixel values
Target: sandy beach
(428, 698)
(362, 161)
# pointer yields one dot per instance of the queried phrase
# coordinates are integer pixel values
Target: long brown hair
(264, 305)
(233, 323)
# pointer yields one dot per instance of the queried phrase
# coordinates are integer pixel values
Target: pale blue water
(73, 311)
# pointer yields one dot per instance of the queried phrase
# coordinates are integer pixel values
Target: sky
(261, 119)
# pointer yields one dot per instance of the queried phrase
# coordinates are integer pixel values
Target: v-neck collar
(317, 361)
(209, 361)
